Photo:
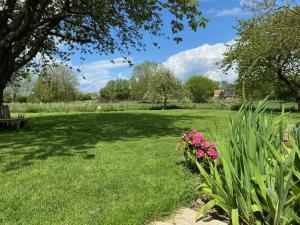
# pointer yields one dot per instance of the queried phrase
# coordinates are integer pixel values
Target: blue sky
(197, 54)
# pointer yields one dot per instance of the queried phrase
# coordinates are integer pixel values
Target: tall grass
(256, 180)
(93, 106)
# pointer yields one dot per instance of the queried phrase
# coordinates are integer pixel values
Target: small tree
(115, 90)
(201, 88)
(19, 86)
(122, 89)
(104, 94)
(163, 85)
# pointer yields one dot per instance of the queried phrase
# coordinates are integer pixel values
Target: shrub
(200, 88)
(196, 148)
(236, 107)
(255, 178)
(270, 107)
(22, 99)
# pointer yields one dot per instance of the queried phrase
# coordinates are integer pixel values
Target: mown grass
(99, 168)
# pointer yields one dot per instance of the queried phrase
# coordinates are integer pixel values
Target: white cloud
(235, 11)
(95, 75)
(106, 64)
(201, 60)
(229, 12)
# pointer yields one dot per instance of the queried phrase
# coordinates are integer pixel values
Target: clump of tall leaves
(256, 178)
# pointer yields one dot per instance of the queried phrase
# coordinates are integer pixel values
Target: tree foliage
(55, 84)
(200, 88)
(162, 85)
(115, 90)
(19, 88)
(140, 78)
(31, 27)
(150, 82)
(225, 84)
(263, 8)
(266, 53)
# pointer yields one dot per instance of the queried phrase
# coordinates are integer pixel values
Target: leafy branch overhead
(266, 53)
(104, 26)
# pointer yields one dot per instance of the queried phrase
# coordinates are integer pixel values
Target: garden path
(186, 216)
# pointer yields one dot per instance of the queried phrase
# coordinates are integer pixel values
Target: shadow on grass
(188, 166)
(68, 135)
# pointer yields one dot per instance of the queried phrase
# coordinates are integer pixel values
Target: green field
(99, 168)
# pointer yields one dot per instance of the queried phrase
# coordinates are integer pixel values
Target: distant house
(225, 93)
(217, 93)
(229, 93)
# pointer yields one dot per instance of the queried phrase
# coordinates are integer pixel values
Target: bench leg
(19, 125)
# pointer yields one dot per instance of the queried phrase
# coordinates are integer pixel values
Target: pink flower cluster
(199, 146)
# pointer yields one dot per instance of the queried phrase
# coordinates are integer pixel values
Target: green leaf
(256, 208)
(235, 217)
(205, 208)
(260, 181)
(273, 150)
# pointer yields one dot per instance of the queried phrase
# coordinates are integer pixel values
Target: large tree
(29, 27)
(200, 88)
(140, 78)
(56, 83)
(267, 52)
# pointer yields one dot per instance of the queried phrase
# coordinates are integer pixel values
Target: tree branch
(37, 45)
(25, 22)
(291, 84)
(290, 9)
(74, 39)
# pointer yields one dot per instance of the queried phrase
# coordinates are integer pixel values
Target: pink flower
(191, 135)
(213, 153)
(204, 144)
(200, 154)
(212, 145)
(196, 142)
(199, 136)
(194, 130)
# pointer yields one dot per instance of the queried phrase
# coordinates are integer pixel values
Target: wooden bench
(6, 119)
(294, 129)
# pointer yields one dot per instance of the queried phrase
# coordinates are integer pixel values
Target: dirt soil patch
(186, 216)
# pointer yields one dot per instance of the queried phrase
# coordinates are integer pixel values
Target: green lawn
(99, 168)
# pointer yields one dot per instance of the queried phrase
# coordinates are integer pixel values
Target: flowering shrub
(196, 147)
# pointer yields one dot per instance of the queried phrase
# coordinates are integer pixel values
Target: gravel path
(186, 216)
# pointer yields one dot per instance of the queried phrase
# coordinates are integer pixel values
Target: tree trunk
(165, 103)
(1, 95)
(5, 71)
(297, 96)
(292, 84)
(3, 83)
